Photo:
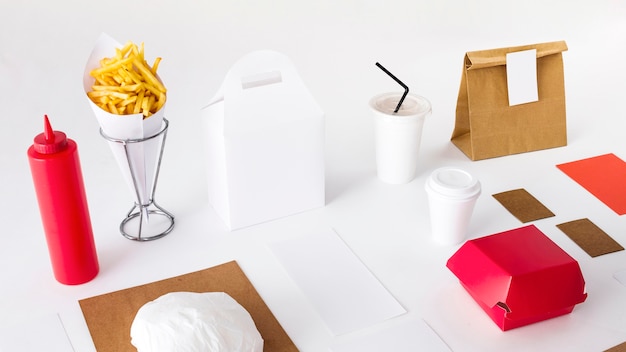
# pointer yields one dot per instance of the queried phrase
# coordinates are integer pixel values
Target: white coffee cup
(452, 194)
(398, 135)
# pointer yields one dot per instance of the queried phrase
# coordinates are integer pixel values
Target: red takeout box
(519, 277)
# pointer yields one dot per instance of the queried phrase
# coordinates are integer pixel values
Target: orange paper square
(603, 176)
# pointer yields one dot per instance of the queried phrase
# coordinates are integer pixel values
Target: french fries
(125, 84)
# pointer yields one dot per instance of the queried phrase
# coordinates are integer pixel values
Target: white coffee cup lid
(453, 182)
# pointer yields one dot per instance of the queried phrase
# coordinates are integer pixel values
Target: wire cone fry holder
(146, 220)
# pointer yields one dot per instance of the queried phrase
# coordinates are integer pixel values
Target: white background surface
(334, 44)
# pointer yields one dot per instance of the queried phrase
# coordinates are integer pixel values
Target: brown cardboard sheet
(523, 205)
(590, 237)
(617, 348)
(110, 315)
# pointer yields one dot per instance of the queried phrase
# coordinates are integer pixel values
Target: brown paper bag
(487, 126)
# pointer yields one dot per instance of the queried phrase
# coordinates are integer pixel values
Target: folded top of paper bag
(497, 57)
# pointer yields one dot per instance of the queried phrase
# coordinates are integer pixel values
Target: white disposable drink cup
(398, 135)
(452, 194)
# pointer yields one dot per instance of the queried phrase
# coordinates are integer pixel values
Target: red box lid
(519, 276)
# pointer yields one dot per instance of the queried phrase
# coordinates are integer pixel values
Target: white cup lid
(453, 182)
(413, 105)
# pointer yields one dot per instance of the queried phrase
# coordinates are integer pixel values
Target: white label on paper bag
(521, 75)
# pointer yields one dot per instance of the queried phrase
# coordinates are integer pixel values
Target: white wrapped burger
(190, 321)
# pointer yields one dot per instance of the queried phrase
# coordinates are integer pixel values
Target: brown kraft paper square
(590, 237)
(523, 205)
(617, 348)
(109, 316)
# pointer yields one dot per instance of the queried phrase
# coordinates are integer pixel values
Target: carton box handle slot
(261, 79)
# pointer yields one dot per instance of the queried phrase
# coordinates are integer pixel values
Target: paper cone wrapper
(143, 157)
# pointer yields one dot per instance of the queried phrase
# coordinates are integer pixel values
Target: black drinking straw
(406, 89)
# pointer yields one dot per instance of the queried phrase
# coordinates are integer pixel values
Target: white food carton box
(265, 143)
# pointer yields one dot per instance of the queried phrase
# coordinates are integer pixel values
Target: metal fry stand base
(163, 219)
(146, 220)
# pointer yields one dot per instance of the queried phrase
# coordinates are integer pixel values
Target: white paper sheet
(344, 292)
(521, 74)
(43, 334)
(410, 336)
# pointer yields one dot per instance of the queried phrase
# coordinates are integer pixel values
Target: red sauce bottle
(58, 179)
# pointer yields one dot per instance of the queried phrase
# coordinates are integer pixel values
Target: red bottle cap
(50, 141)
